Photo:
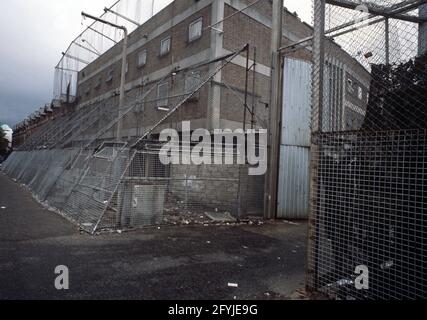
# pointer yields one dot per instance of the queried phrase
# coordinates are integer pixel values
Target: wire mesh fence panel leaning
(369, 123)
(101, 178)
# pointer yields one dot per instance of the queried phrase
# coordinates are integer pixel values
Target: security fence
(369, 125)
(79, 167)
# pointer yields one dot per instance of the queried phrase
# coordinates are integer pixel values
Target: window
(142, 58)
(109, 76)
(98, 83)
(87, 90)
(360, 93)
(165, 46)
(162, 96)
(195, 30)
(350, 86)
(192, 81)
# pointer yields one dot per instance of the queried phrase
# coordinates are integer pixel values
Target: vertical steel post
(316, 127)
(122, 84)
(270, 197)
(422, 35)
(387, 41)
(245, 107)
(253, 90)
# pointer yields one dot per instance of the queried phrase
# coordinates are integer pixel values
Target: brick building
(179, 37)
(188, 33)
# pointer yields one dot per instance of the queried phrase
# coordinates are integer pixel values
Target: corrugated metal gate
(293, 196)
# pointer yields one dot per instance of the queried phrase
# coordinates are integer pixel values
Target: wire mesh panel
(96, 39)
(368, 221)
(80, 166)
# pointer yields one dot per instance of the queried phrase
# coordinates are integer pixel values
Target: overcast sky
(33, 34)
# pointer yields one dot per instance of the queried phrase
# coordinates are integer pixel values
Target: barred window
(360, 93)
(142, 58)
(192, 81)
(98, 83)
(195, 30)
(165, 46)
(109, 76)
(163, 95)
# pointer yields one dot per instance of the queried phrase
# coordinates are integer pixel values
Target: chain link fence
(369, 125)
(77, 166)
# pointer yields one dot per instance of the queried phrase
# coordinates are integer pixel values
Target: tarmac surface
(195, 263)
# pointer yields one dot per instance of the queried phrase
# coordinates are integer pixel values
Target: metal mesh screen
(369, 149)
(76, 164)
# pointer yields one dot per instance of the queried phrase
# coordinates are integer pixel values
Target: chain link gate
(369, 152)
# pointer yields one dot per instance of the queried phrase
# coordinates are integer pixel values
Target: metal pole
(422, 35)
(103, 35)
(387, 41)
(270, 198)
(122, 16)
(317, 126)
(246, 89)
(122, 85)
(75, 58)
(90, 45)
(87, 49)
(123, 75)
(253, 90)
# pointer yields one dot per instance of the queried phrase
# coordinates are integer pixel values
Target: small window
(127, 68)
(360, 93)
(192, 81)
(195, 30)
(87, 90)
(110, 76)
(163, 95)
(142, 58)
(98, 83)
(350, 86)
(165, 46)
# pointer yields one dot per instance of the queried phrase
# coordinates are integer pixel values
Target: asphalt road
(171, 263)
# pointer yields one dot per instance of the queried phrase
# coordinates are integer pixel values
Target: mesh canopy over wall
(76, 164)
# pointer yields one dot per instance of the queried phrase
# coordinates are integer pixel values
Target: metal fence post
(422, 36)
(270, 206)
(316, 126)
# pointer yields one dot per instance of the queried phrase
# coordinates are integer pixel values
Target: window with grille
(195, 30)
(109, 76)
(360, 93)
(163, 95)
(98, 83)
(165, 46)
(192, 81)
(142, 58)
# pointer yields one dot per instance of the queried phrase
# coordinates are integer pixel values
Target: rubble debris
(291, 222)
(217, 216)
